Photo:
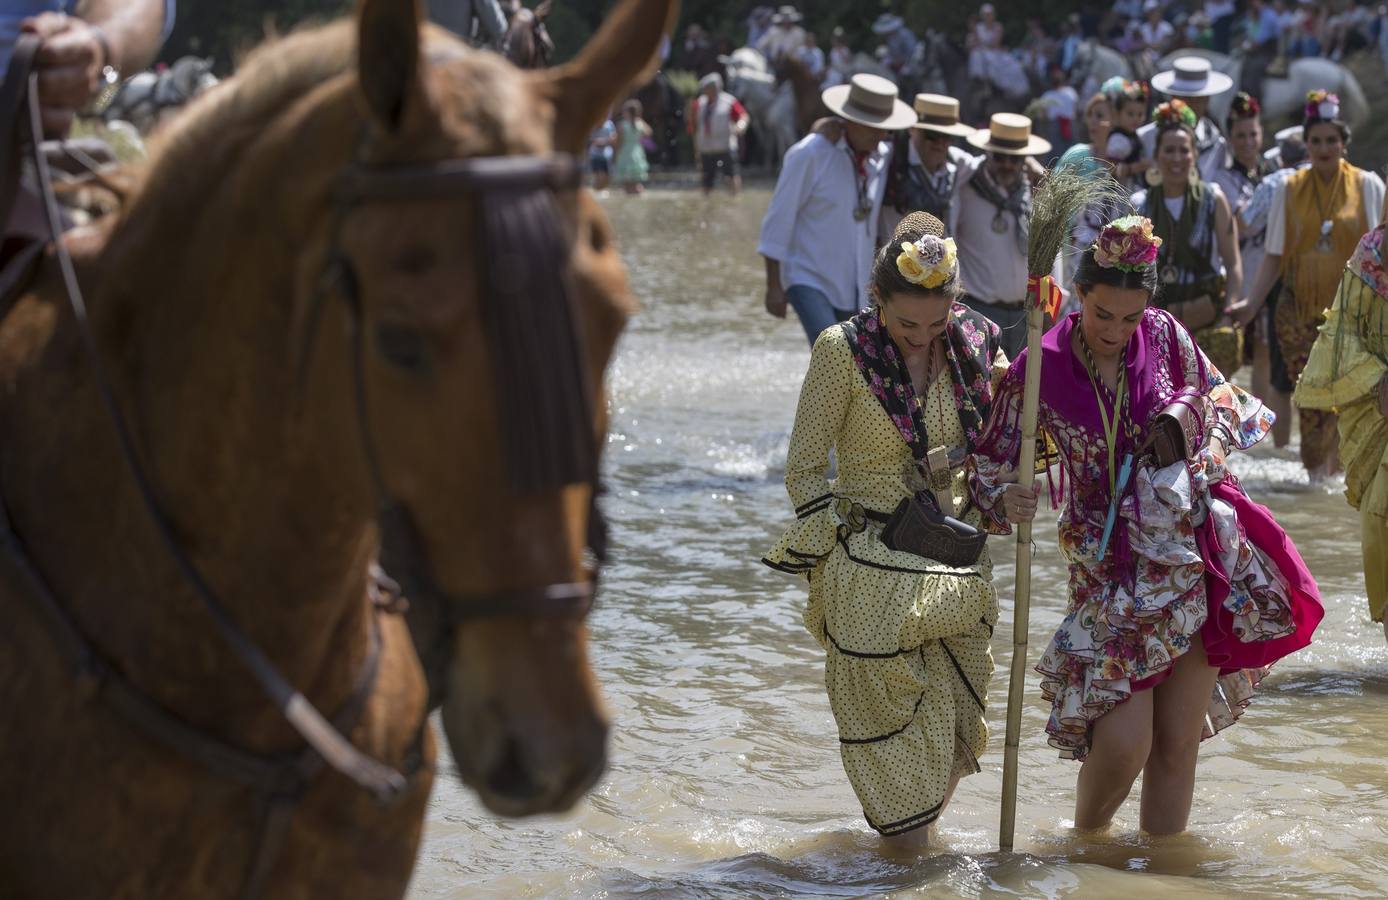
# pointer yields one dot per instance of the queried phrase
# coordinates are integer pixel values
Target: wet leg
(918, 838)
(1181, 704)
(1120, 744)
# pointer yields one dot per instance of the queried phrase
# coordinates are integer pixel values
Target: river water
(724, 776)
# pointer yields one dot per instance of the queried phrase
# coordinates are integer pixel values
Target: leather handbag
(917, 527)
(1176, 431)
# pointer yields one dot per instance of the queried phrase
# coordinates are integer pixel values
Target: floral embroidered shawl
(972, 344)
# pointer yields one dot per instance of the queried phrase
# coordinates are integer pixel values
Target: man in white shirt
(1156, 33)
(819, 234)
(992, 221)
(1191, 79)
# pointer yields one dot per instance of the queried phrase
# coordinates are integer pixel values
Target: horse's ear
(388, 57)
(621, 55)
(543, 10)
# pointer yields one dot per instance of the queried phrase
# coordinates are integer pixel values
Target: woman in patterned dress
(900, 392)
(1348, 372)
(1175, 613)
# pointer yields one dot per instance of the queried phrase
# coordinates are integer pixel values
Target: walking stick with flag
(1061, 196)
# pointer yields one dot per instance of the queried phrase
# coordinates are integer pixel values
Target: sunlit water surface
(724, 776)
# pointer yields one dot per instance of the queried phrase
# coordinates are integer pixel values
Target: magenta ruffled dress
(1191, 552)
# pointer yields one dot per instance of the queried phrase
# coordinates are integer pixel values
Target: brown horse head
(487, 320)
(393, 186)
(527, 43)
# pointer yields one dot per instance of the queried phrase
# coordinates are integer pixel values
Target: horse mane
(194, 150)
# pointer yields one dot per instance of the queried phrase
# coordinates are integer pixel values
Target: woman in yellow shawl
(1348, 374)
(1316, 218)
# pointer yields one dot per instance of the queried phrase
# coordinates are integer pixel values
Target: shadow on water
(1332, 683)
(853, 864)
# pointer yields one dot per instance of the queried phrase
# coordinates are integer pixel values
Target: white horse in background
(1094, 64)
(147, 98)
(770, 106)
(1284, 98)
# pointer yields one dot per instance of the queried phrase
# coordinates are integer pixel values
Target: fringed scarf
(1017, 202)
(971, 343)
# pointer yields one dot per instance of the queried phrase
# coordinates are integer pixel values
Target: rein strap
(380, 780)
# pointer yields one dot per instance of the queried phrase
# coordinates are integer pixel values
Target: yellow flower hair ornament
(930, 262)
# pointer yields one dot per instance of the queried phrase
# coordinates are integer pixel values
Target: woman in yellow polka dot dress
(901, 392)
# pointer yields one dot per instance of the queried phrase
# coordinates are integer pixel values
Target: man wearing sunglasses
(991, 219)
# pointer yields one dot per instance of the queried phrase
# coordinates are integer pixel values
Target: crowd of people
(1237, 220)
(1039, 66)
(900, 237)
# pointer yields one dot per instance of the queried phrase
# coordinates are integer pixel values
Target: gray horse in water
(145, 98)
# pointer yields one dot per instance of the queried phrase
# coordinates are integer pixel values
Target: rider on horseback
(82, 52)
(480, 22)
(76, 56)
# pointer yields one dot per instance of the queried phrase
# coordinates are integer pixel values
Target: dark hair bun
(887, 279)
(915, 226)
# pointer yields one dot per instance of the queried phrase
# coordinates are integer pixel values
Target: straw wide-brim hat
(869, 100)
(940, 114)
(1191, 76)
(1009, 133)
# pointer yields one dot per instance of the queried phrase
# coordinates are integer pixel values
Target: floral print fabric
(973, 344)
(1134, 612)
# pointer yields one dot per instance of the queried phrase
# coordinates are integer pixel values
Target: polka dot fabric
(907, 662)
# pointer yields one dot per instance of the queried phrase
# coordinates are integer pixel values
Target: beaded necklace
(1122, 419)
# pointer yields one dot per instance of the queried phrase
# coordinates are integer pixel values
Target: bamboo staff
(1063, 194)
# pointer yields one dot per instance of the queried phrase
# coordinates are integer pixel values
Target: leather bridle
(512, 182)
(281, 779)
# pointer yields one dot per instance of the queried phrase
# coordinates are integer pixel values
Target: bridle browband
(281, 778)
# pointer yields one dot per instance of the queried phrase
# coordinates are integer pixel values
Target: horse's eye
(402, 346)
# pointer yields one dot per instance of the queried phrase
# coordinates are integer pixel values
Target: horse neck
(199, 365)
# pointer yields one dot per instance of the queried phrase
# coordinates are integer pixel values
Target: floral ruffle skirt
(1219, 567)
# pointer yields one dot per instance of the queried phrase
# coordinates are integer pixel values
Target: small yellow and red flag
(1042, 291)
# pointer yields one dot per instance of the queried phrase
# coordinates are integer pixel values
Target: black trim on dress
(908, 824)
(886, 568)
(890, 734)
(962, 676)
(787, 568)
(860, 655)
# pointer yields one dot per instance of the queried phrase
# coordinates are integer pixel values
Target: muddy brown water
(724, 777)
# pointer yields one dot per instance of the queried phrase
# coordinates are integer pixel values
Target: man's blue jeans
(814, 309)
